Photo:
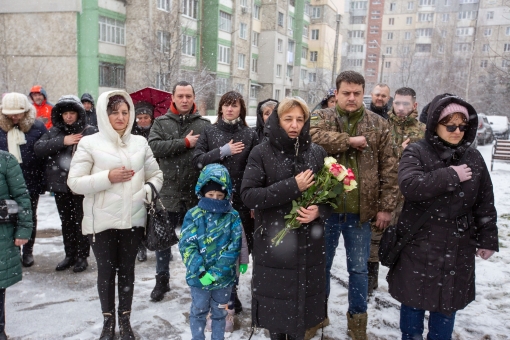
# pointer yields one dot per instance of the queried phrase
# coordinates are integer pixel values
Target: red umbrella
(161, 100)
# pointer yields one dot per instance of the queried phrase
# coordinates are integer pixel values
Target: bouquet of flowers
(333, 180)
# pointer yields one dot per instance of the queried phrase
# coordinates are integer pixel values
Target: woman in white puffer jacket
(111, 168)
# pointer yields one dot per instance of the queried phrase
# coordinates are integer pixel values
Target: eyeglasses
(453, 128)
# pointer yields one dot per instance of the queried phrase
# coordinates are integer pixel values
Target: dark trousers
(70, 210)
(115, 251)
(2, 310)
(248, 227)
(28, 248)
(163, 256)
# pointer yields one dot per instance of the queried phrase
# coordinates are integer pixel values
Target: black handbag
(159, 232)
(391, 246)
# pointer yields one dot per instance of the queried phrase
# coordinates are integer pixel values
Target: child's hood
(217, 173)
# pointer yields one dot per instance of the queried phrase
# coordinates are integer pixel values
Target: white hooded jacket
(117, 205)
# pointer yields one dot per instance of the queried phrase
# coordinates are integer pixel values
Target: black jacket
(51, 145)
(289, 280)
(90, 116)
(136, 130)
(436, 269)
(259, 128)
(207, 151)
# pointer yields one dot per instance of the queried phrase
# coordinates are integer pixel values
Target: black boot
(126, 333)
(68, 262)
(3, 336)
(108, 326)
(80, 265)
(142, 253)
(27, 260)
(277, 336)
(162, 286)
(373, 276)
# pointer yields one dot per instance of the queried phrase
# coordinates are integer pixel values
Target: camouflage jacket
(377, 164)
(402, 129)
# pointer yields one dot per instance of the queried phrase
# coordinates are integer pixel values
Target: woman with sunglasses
(435, 271)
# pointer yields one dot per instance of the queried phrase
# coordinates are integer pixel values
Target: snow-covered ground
(57, 305)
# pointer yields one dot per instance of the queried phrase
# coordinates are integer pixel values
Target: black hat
(212, 186)
(144, 108)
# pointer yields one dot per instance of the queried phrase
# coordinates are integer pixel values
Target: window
(446, 17)
(253, 92)
(164, 5)
(225, 22)
(490, 15)
(280, 45)
(506, 48)
(391, 21)
(462, 47)
(423, 48)
(359, 5)
(277, 94)
(278, 70)
(425, 17)
(424, 32)
(484, 63)
(389, 50)
(221, 86)
(356, 48)
(304, 52)
(223, 54)
(357, 34)
(163, 41)
(440, 49)
(443, 33)
(410, 5)
(256, 12)
(370, 72)
(312, 77)
(487, 32)
(355, 62)
(161, 80)
(305, 31)
(407, 35)
(254, 65)
(315, 35)
(447, 2)
(243, 3)
(372, 58)
(239, 88)
(465, 31)
(112, 75)
(290, 71)
(241, 60)
(507, 31)
(469, 15)
(303, 75)
(111, 31)
(375, 15)
(189, 8)
(280, 19)
(255, 38)
(393, 6)
(313, 55)
(307, 8)
(468, 1)
(243, 30)
(389, 36)
(189, 45)
(356, 20)
(316, 12)
(505, 63)
(372, 45)
(290, 26)
(485, 48)
(387, 64)
(427, 2)
(290, 51)
(405, 49)
(409, 20)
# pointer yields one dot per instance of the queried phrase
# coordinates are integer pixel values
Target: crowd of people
(231, 188)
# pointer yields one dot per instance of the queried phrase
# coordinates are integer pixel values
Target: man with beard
(381, 100)
(405, 129)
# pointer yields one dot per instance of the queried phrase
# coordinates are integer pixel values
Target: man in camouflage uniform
(405, 129)
(360, 140)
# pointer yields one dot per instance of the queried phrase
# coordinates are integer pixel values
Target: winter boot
(162, 286)
(208, 323)
(3, 336)
(142, 253)
(357, 326)
(68, 262)
(310, 332)
(373, 277)
(80, 265)
(27, 260)
(229, 321)
(126, 333)
(108, 326)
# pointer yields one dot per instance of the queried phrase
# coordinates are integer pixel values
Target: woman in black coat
(436, 270)
(57, 146)
(264, 110)
(288, 282)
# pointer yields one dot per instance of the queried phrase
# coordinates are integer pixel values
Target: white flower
(328, 161)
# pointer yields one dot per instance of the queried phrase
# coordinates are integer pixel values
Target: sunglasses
(452, 128)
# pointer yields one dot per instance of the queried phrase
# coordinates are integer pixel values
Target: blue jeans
(357, 248)
(203, 301)
(411, 324)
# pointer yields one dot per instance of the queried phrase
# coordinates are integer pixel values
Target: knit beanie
(15, 103)
(453, 108)
(144, 108)
(212, 186)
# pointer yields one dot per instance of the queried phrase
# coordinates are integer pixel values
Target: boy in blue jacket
(210, 244)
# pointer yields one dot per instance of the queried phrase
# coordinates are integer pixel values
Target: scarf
(231, 122)
(15, 138)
